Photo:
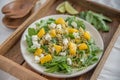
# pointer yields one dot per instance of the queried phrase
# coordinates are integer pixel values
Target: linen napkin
(110, 3)
(111, 69)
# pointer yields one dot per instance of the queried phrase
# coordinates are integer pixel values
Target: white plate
(29, 58)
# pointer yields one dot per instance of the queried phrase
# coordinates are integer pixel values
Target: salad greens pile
(69, 46)
(98, 20)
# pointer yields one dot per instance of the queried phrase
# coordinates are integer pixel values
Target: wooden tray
(12, 61)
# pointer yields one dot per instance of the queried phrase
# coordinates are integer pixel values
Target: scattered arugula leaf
(98, 20)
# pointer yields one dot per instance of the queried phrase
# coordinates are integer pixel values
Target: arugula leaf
(50, 20)
(45, 47)
(31, 31)
(54, 40)
(91, 60)
(29, 41)
(80, 24)
(98, 20)
(104, 26)
(58, 64)
(52, 69)
(66, 67)
(101, 16)
(31, 50)
(71, 36)
(43, 23)
(70, 20)
(83, 14)
(37, 24)
(73, 19)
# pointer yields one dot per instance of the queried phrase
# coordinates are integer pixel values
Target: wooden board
(10, 53)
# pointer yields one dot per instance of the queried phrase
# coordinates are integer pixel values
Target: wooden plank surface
(15, 54)
(18, 71)
(11, 47)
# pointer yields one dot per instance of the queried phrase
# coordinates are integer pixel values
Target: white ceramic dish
(29, 58)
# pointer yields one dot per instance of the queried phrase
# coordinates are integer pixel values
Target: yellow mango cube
(45, 59)
(53, 33)
(72, 30)
(38, 52)
(72, 51)
(60, 21)
(41, 33)
(87, 35)
(72, 48)
(58, 48)
(83, 46)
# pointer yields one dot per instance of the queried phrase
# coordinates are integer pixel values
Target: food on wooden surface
(61, 45)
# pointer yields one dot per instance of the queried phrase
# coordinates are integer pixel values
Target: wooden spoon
(14, 23)
(18, 8)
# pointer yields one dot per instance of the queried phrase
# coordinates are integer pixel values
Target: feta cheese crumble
(52, 25)
(76, 34)
(35, 38)
(41, 55)
(35, 44)
(59, 26)
(69, 61)
(65, 41)
(37, 59)
(47, 37)
(63, 53)
(74, 24)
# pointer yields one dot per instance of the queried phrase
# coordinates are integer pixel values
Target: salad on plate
(62, 45)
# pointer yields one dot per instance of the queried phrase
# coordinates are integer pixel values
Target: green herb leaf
(71, 36)
(31, 31)
(45, 47)
(80, 24)
(29, 41)
(98, 20)
(54, 40)
(50, 20)
(70, 20)
(31, 50)
(52, 69)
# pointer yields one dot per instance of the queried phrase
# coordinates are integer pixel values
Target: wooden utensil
(14, 23)
(18, 8)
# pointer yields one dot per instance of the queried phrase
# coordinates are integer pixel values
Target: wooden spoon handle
(31, 1)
